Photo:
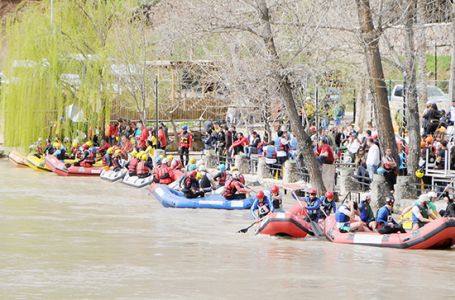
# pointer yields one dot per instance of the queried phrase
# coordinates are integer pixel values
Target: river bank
(85, 238)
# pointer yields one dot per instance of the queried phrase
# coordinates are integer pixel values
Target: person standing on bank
(185, 143)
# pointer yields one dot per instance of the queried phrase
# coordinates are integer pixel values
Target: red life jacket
(284, 147)
(133, 164)
(115, 162)
(156, 174)
(185, 140)
(163, 173)
(177, 165)
(242, 179)
(229, 188)
(187, 183)
(222, 179)
(90, 158)
(142, 168)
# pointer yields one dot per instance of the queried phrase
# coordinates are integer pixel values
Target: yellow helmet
(139, 155)
(162, 156)
(192, 161)
(56, 145)
(74, 145)
(117, 152)
(134, 153)
(149, 150)
(199, 175)
(110, 150)
(170, 157)
(144, 157)
(234, 169)
(90, 143)
(420, 173)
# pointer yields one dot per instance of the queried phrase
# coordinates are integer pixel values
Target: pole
(156, 103)
(435, 65)
(354, 109)
(52, 13)
(316, 113)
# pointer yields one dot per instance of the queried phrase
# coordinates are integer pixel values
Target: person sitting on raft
(432, 209)
(449, 212)
(221, 176)
(107, 158)
(191, 162)
(205, 180)
(156, 170)
(277, 200)
(116, 165)
(263, 205)
(234, 188)
(344, 214)
(385, 222)
(88, 157)
(165, 173)
(327, 205)
(104, 146)
(142, 170)
(133, 163)
(174, 163)
(366, 213)
(190, 186)
(313, 204)
(60, 151)
(420, 214)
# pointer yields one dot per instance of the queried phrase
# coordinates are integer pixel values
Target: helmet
(89, 143)
(165, 161)
(381, 171)
(170, 157)
(366, 196)
(329, 195)
(191, 167)
(389, 200)
(420, 173)
(192, 161)
(312, 191)
(260, 195)
(117, 152)
(234, 169)
(144, 157)
(423, 198)
(222, 167)
(74, 145)
(193, 173)
(275, 189)
(432, 194)
(158, 159)
(110, 150)
(199, 175)
(185, 128)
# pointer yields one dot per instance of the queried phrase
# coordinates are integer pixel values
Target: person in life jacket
(185, 143)
(190, 186)
(156, 169)
(385, 222)
(205, 180)
(142, 170)
(262, 206)
(313, 204)
(60, 151)
(235, 173)
(420, 214)
(107, 158)
(221, 176)
(277, 200)
(133, 163)
(327, 205)
(88, 158)
(366, 213)
(165, 173)
(174, 163)
(104, 146)
(233, 188)
(343, 216)
(191, 163)
(116, 166)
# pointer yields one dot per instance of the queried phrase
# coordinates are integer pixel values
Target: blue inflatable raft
(172, 198)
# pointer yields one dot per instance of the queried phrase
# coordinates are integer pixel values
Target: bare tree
(422, 50)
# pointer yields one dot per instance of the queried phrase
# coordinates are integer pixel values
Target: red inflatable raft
(60, 169)
(291, 224)
(439, 234)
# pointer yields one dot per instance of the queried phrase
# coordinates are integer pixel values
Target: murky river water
(66, 238)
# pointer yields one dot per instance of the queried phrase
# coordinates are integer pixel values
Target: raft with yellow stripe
(37, 163)
(17, 159)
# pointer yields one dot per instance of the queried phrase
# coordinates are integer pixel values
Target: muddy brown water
(73, 238)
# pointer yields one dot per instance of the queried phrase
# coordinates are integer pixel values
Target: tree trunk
(285, 89)
(422, 50)
(452, 65)
(378, 86)
(412, 107)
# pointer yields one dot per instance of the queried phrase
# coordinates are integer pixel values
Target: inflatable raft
(439, 234)
(285, 224)
(17, 159)
(60, 169)
(175, 199)
(112, 176)
(137, 182)
(37, 163)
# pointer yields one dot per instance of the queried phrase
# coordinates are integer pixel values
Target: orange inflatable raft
(439, 234)
(60, 169)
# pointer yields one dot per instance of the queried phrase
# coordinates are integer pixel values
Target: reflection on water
(67, 238)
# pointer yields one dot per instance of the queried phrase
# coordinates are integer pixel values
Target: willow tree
(58, 67)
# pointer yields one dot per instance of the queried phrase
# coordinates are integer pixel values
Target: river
(73, 238)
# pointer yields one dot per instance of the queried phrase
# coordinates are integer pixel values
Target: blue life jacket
(424, 213)
(313, 205)
(341, 217)
(383, 215)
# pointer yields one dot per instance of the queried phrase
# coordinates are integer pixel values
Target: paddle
(245, 230)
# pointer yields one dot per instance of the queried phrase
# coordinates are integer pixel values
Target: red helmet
(329, 195)
(260, 195)
(193, 173)
(275, 189)
(312, 191)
